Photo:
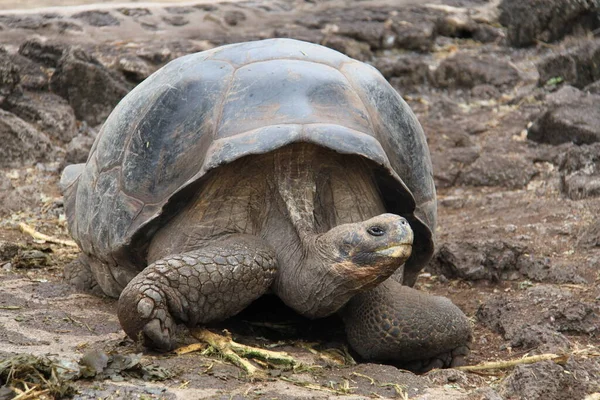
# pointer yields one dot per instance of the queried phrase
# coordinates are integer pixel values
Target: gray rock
(541, 338)
(491, 260)
(572, 116)
(445, 376)
(547, 20)
(463, 27)
(417, 37)
(48, 112)
(206, 7)
(381, 27)
(234, 17)
(78, 149)
(149, 25)
(547, 380)
(580, 171)
(496, 260)
(590, 237)
(22, 144)
(493, 169)
(455, 25)
(180, 10)
(301, 33)
(566, 94)
(484, 393)
(135, 12)
(581, 184)
(90, 88)
(370, 32)
(448, 165)
(9, 77)
(33, 75)
(18, 198)
(156, 56)
(485, 92)
(350, 47)
(175, 20)
(97, 18)
(549, 306)
(378, 27)
(8, 250)
(593, 88)
(43, 52)
(466, 71)
(32, 22)
(134, 68)
(51, 16)
(407, 69)
(61, 26)
(542, 270)
(488, 34)
(578, 66)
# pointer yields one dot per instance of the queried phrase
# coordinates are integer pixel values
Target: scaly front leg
(209, 284)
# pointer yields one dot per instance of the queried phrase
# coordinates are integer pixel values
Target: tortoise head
(346, 260)
(381, 244)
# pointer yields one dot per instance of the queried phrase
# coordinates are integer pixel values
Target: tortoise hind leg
(416, 330)
(89, 274)
(78, 273)
(200, 286)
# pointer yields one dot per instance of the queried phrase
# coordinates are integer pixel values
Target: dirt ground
(516, 250)
(34, 6)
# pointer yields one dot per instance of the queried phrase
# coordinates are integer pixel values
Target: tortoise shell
(208, 109)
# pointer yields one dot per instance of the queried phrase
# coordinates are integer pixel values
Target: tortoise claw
(451, 359)
(157, 334)
(144, 315)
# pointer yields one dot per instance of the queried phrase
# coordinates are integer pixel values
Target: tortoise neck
(294, 177)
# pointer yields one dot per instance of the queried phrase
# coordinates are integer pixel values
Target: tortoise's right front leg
(209, 284)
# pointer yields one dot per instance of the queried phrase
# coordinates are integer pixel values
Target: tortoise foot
(416, 330)
(197, 287)
(145, 312)
(451, 359)
(79, 274)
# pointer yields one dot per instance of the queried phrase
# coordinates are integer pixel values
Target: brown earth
(518, 242)
(36, 5)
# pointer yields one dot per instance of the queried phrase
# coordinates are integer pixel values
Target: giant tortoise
(269, 167)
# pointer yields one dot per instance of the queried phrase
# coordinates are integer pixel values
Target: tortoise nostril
(403, 222)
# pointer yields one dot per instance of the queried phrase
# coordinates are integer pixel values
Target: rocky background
(508, 93)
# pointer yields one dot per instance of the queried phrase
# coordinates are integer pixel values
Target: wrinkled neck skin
(314, 278)
(319, 284)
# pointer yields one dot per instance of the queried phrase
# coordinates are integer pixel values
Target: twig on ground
(40, 236)
(190, 348)
(315, 386)
(230, 350)
(559, 359)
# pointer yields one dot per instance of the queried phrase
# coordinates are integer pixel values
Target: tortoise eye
(376, 231)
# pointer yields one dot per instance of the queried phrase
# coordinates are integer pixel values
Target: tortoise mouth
(401, 250)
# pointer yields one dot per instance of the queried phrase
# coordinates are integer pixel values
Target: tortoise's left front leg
(393, 322)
